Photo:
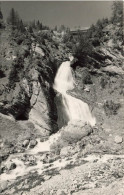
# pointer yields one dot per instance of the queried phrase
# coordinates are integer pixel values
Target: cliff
(29, 63)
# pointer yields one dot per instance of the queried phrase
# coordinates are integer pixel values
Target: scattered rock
(118, 139)
(61, 192)
(47, 177)
(33, 143)
(67, 150)
(44, 158)
(25, 143)
(29, 160)
(10, 166)
(3, 157)
(3, 186)
(87, 89)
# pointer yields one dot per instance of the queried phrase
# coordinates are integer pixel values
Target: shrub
(111, 108)
(103, 82)
(82, 50)
(86, 77)
(17, 67)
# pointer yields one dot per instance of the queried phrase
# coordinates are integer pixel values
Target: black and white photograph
(61, 97)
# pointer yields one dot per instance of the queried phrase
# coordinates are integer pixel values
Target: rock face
(27, 93)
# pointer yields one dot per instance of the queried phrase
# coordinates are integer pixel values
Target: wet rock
(118, 139)
(10, 166)
(33, 143)
(25, 143)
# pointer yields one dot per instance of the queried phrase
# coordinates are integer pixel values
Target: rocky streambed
(89, 164)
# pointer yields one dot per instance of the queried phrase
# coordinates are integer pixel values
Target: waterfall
(70, 108)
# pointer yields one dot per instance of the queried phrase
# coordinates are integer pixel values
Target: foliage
(37, 25)
(103, 82)
(15, 21)
(82, 50)
(117, 12)
(111, 108)
(95, 33)
(13, 17)
(1, 15)
(14, 74)
(63, 28)
(117, 19)
(86, 77)
(1, 19)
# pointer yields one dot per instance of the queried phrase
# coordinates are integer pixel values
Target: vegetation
(17, 66)
(1, 20)
(117, 13)
(103, 82)
(111, 107)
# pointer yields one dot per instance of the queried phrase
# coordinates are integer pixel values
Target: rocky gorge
(40, 155)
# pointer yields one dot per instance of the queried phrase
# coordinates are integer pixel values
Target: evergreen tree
(117, 12)
(41, 26)
(13, 18)
(1, 15)
(21, 26)
(30, 29)
(33, 25)
(1, 19)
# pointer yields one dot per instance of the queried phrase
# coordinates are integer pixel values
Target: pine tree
(117, 12)
(21, 26)
(30, 29)
(33, 25)
(1, 15)
(13, 18)
(1, 19)
(41, 26)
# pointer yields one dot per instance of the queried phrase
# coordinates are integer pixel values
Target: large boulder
(25, 143)
(76, 130)
(33, 143)
(10, 166)
(118, 139)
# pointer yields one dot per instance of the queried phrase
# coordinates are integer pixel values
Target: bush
(82, 50)
(86, 77)
(111, 108)
(103, 82)
(17, 67)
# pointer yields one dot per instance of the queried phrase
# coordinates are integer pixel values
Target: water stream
(71, 108)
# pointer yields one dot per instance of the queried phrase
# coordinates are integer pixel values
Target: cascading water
(71, 108)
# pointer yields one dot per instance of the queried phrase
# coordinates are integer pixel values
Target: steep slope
(29, 63)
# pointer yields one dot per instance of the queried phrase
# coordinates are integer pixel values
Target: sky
(70, 13)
